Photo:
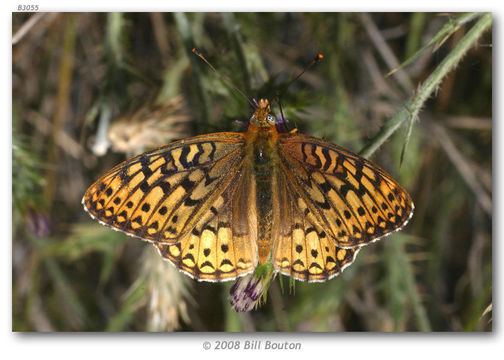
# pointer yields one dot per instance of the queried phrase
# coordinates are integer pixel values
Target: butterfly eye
(270, 118)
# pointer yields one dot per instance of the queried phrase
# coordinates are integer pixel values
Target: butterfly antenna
(224, 78)
(281, 111)
(315, 60)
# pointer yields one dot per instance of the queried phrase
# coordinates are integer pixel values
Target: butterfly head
(261, 116)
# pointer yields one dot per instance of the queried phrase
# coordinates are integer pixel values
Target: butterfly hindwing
(222, 245)
(355, 201)
(302, 248)
(160, 195)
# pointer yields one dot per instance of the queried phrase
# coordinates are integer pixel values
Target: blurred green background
(91, 89)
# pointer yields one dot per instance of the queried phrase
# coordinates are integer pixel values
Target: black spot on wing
(327, 159)
(183, 156)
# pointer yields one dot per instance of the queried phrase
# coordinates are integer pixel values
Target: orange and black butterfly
(216, 205)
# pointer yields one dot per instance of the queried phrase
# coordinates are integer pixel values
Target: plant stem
(233, 29)
(410, 286)
(415, 103)
(184, 29)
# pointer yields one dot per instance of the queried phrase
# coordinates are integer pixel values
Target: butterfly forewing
(355, 201)
(160, 195)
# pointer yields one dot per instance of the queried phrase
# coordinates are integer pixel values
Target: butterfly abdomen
(263, 156)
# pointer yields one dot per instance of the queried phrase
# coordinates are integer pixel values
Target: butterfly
(217, 205)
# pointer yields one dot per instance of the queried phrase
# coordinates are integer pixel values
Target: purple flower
(246, 292)
(38, 223)
(242, 123)
(281, 124)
